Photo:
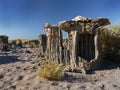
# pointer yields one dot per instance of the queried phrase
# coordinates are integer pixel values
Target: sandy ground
(18, 72)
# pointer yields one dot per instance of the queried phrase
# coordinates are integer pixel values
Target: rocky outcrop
(42, 45)
(82, 49)
(54, 43)
(3, 42)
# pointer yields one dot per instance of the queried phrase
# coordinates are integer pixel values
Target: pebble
(20, 77)
(1, 76)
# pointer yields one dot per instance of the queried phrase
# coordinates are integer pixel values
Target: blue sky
(25, 18)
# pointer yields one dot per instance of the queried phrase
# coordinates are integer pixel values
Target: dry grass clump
(33, 43)
(51, 70)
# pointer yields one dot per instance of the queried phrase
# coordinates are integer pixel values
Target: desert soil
(18, 72)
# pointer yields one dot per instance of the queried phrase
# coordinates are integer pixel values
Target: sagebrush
(51, 70)
(110, 36)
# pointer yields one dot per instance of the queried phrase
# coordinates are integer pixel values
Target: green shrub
(110, 37)
(51, 70)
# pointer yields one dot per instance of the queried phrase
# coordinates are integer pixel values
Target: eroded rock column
(54, 43)
(42, 44)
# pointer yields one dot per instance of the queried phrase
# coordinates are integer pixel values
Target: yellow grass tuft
(51, 70)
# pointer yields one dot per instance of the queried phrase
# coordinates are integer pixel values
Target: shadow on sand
(108, 65)
(10, 59)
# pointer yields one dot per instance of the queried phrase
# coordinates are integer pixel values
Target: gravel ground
(18, 72)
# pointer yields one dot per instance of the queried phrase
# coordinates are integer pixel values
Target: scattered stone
(34, 67)
(114, 85)
(27, 51)
(18, 67)
(1, 76)
(20, 77)
(13, 87)
(54, 83)
(65, 85)
(82, 87)
(118, 68)
(102, 87)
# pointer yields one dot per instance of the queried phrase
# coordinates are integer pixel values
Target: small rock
(38, 64)
(33, 62)
(65, 85)
(17, 67)
(95, 80)
(102, 86)
(20, 77)
(1, 76)
(25, 69)
(34, 67)
(13, 87)
(54, 83)
(82, 87)
(27, 51)
(118, 68)
(8, 70)
(114, 85)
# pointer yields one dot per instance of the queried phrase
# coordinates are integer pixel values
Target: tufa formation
(3, 42)
(81, 50)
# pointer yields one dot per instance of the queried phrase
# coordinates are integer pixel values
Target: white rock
(78, 18)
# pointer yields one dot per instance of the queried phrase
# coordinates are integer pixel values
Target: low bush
(110, 36)
(51, 70)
